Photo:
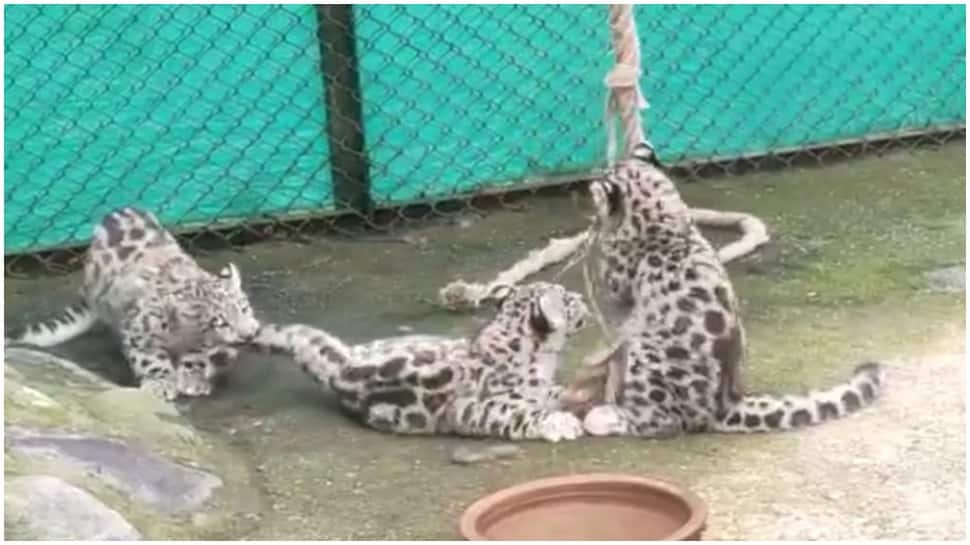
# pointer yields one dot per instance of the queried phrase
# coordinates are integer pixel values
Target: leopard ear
(548, 314)
(499, 293)
(230, 274)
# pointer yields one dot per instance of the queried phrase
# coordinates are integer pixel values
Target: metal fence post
(345, 125)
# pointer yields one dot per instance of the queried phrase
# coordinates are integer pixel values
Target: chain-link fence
(231, 117)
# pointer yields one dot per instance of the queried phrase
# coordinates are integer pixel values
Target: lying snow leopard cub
(682, 340)
(175, 321)
(500, 383)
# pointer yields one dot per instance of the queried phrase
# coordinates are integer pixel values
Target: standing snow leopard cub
(682, 342)
(176, 322)
(500, 383)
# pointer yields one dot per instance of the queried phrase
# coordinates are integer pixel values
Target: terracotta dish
(587, 507)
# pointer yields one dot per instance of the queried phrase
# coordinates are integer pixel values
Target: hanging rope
(624, 98)
(624, 101)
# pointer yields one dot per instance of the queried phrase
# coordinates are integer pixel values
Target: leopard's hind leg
(647, 421)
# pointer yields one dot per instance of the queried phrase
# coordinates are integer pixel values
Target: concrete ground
(852, 273)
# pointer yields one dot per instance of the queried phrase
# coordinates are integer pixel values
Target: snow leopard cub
(176, 322)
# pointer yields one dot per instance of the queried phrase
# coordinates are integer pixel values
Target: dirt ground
(843, 280)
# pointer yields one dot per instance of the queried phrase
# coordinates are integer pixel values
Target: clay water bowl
(587, 507)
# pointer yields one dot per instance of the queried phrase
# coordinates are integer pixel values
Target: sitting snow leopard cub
(175, 321)
(500, 383)
(682, 340)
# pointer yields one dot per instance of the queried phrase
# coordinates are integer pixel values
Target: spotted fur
(683, 340)
(501, 383)
(175, 321)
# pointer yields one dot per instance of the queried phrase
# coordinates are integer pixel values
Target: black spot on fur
(701, 369)
(773, 419)
(676, 353)
(714, 322)
(721, 293)
(466, 414)
(867, 392)
(113, 229)
(136, 234)
(673, 285)
(515, 345)
(437, 381)
(851, 401)
(433, 402)
(801, 417)
(392, 367)
(680, 325)
(697, 340)
(356, 374)
(398, 398)
(125, 251)
(334, 356)
(727, 351)
(416, 420)
(871, 369)
(827, 410)
(699, 386)
(700, 294)
(752, 420)
(423, 357)
(686, 305)
(654, 261)
(733, 420)
(658, 396)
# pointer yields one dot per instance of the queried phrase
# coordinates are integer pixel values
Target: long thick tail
(317, 352)
(759, 413)
(66, 325)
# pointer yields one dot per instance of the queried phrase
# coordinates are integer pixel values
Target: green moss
(841, 282)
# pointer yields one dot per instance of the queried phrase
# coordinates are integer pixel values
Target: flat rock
(47, 508)
(948, 279)
(139, 473)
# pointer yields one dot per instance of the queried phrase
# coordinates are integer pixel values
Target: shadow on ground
(843, 280)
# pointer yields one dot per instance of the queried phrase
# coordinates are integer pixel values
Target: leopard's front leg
(198, 369)
(512, 416)
(143, 344)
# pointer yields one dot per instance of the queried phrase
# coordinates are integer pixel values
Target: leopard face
(229, 318)
(638, 212)
(540, 308)
(636, 200)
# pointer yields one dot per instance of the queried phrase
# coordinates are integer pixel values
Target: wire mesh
(241, 121)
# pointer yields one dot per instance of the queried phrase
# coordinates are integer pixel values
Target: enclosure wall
(212, 113)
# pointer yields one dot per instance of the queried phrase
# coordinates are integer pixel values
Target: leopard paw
(192, 381)
(560, 425)
(604, 420)
(164, 387)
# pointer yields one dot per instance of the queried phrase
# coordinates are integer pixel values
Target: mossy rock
(71, 434)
